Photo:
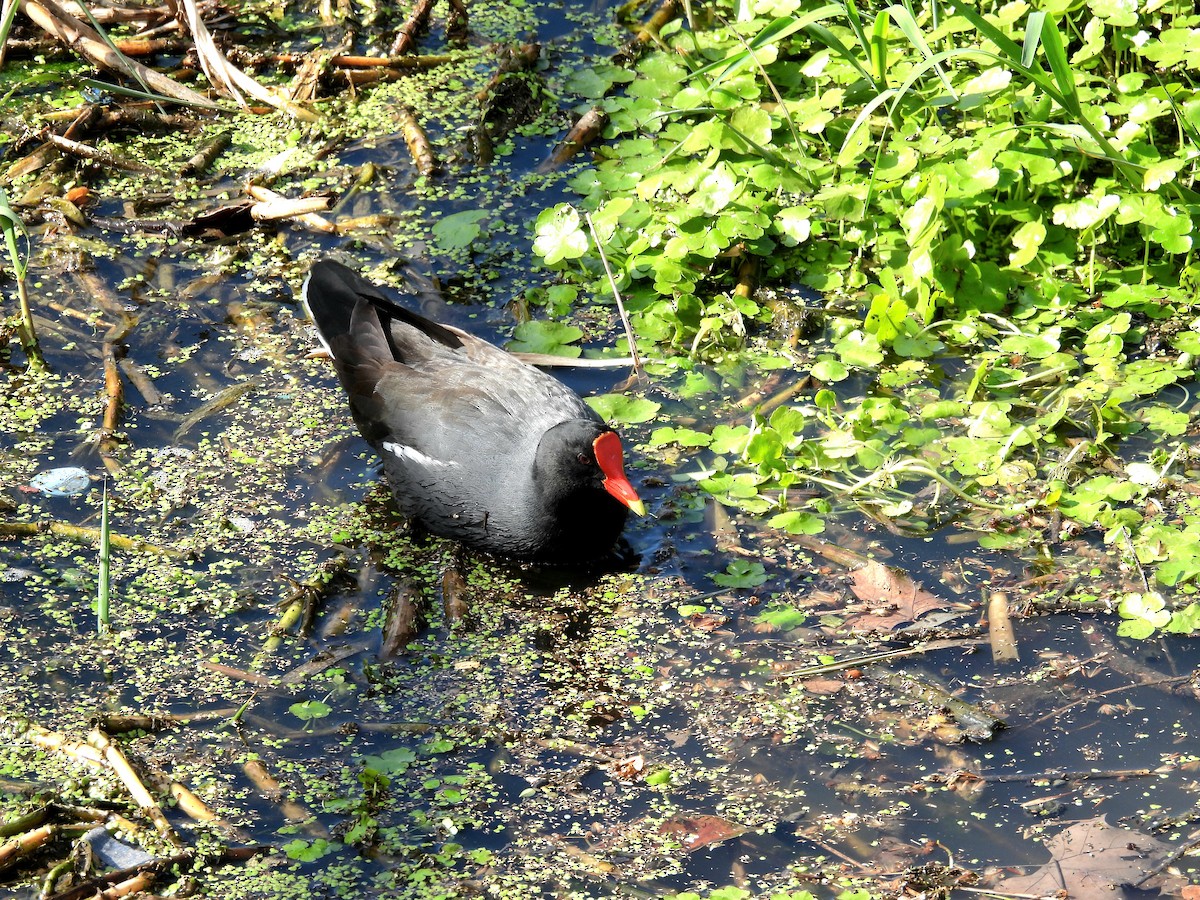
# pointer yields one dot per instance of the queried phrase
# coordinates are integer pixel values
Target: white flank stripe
(416, 456)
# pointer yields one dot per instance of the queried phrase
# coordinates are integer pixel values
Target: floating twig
(583, 133)
(114, 401)
(208, 152)
(417, 22)
(223, 400)
(455, 607)
(633, 351)
(418, 144)
(405, 619)
(1000, 630)
(117, 761)
(82, 533)
(58, 22)
(104, 158)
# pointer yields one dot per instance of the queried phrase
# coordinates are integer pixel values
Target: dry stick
(86, 151)
(141, 381)
(390, 62)
(1092, 698)
(114, 400)
(19, 847)
(855, 662)
(133, 783)
(294, 811)
(1000, 630)
(633, 351)
(81, 533)
(53, 19)
(228, 77)
(418, 144)
(272, 207)
(417, 22)
(667, 12)
(208, 152)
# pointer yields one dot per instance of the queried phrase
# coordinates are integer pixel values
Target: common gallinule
(477, 445)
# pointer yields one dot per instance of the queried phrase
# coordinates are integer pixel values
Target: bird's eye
(584, 459)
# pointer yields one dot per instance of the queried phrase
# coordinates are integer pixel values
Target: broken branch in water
(582, 133)
(82, 533)
(58, 22)
(418, 143)
(417, 23)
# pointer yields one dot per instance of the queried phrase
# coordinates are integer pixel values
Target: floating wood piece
(104, 158)
(304, 209)
(668, 11)
(208, 152)
(582, 134)
(114, 402)
(58, 22)
(417, 22)
(418, 144)
(454, 598)
(405, 619)
(140, 380)
(23, 845)
(221, 401)
(978, 724)
(1000, 630)
(80, 533)
(117, 761)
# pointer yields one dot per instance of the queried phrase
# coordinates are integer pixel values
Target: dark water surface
(564, 738)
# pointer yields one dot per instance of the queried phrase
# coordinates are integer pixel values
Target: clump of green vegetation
(999, 212)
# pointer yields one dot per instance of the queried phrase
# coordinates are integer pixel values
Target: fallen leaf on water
(1093, 860)
(694, 832)
(893, 592)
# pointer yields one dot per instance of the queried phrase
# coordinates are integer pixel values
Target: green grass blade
(1056, 55)
(778, 30)
(908, 26)
(10, 13)
(12, 226)
(834, 43)
(1007, 46)
(104, 581)
(878, 48)
(1033, 39)
(846, 154)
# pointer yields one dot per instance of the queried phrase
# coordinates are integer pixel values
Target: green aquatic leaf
(559, 235)
(741, 574)
(624, 409)
(459, 230)
(538, 336)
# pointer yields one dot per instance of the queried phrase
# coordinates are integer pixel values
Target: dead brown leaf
(893, 596)
(694, 832)
(1093, 860)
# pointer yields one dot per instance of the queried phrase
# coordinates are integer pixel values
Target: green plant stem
(104, 579)
(25, 330)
